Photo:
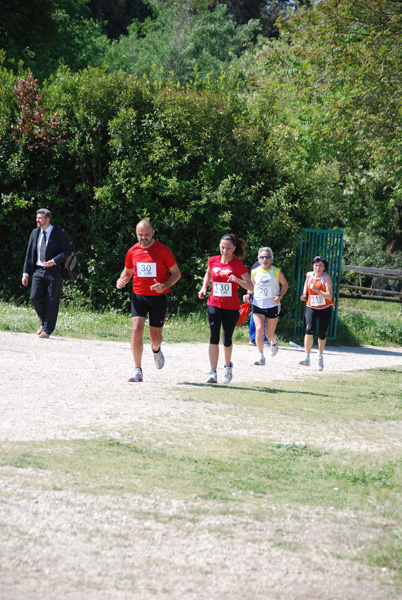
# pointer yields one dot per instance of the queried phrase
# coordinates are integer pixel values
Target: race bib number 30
(223, 290)
(146, 269)
(317, 300)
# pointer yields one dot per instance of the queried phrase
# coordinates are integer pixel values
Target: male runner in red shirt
(154, 271)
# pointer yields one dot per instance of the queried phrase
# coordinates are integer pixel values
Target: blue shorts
(155, 306)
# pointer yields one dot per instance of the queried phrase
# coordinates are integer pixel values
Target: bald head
(145, 233)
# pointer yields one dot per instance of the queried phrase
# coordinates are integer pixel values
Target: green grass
(108, 325)
(365, 322)
(359, 322)
(335, 449)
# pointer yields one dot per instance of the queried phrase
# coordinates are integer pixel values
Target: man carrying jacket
(48, 246)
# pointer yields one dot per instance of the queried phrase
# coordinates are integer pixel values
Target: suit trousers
(46, 291)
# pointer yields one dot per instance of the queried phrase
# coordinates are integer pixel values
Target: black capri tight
(226, 318)
(324, 317)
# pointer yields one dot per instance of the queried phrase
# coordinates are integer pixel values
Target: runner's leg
(215, 320)
(270, 329)
(259, 321)
(155, 335)
(157, 315)
(214, 356)
(229, 320)
(137, 332)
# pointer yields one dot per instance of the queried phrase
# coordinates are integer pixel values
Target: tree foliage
(181, 41)
(116, 15)
(187, 159)
(34, 128)
(337, 76)
(352, 51)
(193, 124)
(45, 34)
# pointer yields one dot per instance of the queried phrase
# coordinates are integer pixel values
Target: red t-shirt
(149, 264)
(225, 293)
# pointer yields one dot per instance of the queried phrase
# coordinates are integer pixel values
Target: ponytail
(240, 245)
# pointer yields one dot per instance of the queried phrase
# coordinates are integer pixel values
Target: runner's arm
(174, 277)
(305, 287)
(245, 281)
(328, 284)
(207, 279)
(284, 284)
(247, 297)
(124, 278)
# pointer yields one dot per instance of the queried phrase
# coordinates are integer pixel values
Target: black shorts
(269, 313)
(155, 306)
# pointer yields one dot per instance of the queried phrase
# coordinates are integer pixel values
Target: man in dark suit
(48, 246)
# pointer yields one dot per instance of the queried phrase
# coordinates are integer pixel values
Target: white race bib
(146, 269)
(261, 292)
(223, 290)
(317, 300)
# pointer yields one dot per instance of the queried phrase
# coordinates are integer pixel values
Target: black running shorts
(155, 306)
(269, 313)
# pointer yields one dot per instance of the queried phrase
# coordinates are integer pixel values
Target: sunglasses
(318, 258)
(265, 257)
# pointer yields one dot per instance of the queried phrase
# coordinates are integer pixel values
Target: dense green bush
(125, 150)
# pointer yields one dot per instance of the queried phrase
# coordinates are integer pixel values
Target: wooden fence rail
(372, 293)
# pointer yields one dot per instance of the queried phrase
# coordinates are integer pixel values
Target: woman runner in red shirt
(227, 271)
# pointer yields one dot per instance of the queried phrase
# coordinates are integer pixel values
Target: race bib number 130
(146, 269)
(223, 290)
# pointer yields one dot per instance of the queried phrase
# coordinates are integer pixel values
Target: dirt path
(61, 387)
(65, 545)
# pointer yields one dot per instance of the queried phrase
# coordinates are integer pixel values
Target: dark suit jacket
(58, 248)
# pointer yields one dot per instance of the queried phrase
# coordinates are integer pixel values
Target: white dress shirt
(48, 232)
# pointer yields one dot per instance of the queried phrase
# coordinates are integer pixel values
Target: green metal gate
(329, 245)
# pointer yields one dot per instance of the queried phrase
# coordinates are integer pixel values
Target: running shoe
(260, 362)
(320, 363)
(159, 359)
(212, 377)
(305, 362)
(252, 343)
(227, 374)
(267, 343)
(274, 348)
(137, 375)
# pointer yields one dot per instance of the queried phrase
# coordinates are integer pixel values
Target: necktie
(42, 251)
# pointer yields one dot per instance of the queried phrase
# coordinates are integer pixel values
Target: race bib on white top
(146, 269)
(317, 300)
(262, 293)
(223, 290)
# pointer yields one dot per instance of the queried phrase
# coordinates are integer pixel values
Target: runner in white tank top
(270, 286)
